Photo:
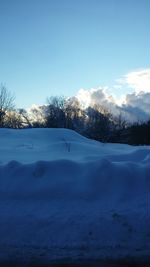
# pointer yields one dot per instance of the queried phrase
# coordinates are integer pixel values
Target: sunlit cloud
(95, 96)
(134, 105)
(138, 80)
(84, 97)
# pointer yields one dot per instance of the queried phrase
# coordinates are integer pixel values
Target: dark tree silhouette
(6, 104)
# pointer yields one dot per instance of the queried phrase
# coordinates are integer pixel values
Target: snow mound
(63, 195)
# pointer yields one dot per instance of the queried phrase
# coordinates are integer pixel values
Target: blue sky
(56, 47)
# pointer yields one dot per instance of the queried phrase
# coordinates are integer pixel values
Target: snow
(65, 196)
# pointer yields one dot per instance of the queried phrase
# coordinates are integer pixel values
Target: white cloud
(95, 96)
(138, 80)
(84, 97)
(98, 96)
(134, 106)
(141, 100)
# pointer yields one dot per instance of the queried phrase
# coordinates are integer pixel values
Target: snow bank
(62, 195)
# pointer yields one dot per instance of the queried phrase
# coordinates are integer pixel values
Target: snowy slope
(63, 195)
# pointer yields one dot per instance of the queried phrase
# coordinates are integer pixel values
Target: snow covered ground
(65, 196)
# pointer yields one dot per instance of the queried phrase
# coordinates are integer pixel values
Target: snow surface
(65, 196)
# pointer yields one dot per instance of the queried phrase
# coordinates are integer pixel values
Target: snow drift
(63, 195)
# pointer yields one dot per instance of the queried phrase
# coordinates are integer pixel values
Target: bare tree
(26, 123)
(99, 123)
(75, 116)
(6, 103)
(13, 119)
(55, 117)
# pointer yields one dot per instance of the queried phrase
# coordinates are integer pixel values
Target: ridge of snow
(63, 195)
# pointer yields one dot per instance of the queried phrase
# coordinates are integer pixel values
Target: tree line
(94, 122)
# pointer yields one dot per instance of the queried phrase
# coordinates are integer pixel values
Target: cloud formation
(138, 80)
(138, 106)
(98, 96)
(134, 106)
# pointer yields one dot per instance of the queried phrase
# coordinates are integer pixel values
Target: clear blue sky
(56, 47)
